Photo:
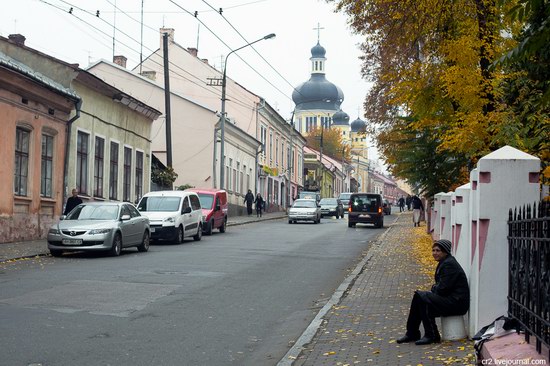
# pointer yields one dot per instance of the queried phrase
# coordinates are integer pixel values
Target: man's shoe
(407, 339)
(427, 340)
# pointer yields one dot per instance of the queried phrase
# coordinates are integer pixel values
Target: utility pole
(167, 113)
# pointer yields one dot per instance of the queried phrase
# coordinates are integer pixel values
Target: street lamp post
(222, 121)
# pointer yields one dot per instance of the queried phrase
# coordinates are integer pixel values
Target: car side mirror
(217, 208)
(125, 217)
(62, 217)
(187, 210)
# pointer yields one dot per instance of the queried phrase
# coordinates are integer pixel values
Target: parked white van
(173, 215)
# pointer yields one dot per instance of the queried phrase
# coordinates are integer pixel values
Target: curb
(307, 336)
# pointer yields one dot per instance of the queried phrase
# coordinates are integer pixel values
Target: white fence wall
(476, 217)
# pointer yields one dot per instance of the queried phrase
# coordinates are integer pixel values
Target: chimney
(170, 32)
(193, 51)
(120, 60)
(18, 39)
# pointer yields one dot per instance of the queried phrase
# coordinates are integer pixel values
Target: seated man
(449, 296)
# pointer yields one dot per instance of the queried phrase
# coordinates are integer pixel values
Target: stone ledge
(512, 347)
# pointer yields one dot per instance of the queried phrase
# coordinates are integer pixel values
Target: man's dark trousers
(421, 312)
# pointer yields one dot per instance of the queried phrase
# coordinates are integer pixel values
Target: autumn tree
(333, 145)
(432, 68)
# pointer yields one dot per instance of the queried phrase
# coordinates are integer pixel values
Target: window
(113, 172)
(139, 174)
(99, 157)
(263, 138)
(21, 172)
(276, 151)
(270, 147)
(248, 180)
(126, 177)
(195, 202)
(82, 142)
(47, 166)
(185, 204)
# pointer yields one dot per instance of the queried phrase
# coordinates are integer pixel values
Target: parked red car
(214, 209)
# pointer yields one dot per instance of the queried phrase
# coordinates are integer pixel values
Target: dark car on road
(331, 207)
(365, 208)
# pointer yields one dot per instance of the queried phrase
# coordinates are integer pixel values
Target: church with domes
(318, 104)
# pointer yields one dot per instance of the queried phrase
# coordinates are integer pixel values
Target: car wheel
(56, 252)
(209, 227)
(117, 246)
(144, 246)
(223, 227)
(290, 221)
(179, 236)
(198, 235)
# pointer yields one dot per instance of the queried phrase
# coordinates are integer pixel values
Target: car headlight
(170, 219)
(53, 231)
(99, 231)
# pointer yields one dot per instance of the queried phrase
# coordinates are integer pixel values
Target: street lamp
(222, 122)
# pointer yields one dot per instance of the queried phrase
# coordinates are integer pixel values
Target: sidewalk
(34, 248)
(361, 328)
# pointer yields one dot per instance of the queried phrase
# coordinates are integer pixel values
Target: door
(138, 224)
(196, 213)
(187, 217)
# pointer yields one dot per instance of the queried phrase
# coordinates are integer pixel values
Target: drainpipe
(77, 105)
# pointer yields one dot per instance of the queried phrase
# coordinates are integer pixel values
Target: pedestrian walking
(259, 202)
(72, 202)
(249, 200)
(408, 202)
(418, 209)
(450, 295)
(401, 203)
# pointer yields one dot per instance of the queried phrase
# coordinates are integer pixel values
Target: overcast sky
(82, 37)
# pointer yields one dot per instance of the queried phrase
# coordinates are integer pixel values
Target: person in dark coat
(401, 204)
(418, 208)
(259, 201)
(249, 200)
(72, 202)
(450, 295)
(408, 202)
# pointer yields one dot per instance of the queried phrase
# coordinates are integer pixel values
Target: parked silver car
(100, 226)
(304, 210)
(331, 207)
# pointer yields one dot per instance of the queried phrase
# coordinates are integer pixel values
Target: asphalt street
(239, 298)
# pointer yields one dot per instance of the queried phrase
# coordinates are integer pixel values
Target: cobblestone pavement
(362, 328)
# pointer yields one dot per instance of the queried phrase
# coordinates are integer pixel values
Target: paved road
(238, 298)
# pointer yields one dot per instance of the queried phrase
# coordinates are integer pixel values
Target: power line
(236, 101)
(225, 44)
(258, 53)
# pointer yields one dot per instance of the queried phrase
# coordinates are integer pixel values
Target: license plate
(152, 229)
(72, 241)
(365, 216)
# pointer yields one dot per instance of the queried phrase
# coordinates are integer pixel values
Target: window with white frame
(113, 172)
(46, 178)
(99, 157)
(276, 151)
(21, 172)
(127, 174)
(139, 174)
(228, 175)
(82, 151)
(263, 138)
(270, 148)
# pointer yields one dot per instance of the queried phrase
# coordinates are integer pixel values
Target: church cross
(318, 29)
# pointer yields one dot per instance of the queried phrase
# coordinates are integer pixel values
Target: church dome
(318, 51)
(358, 125)
(317, 93)
(340, 118)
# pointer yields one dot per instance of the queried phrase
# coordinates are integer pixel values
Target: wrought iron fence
(529, 271)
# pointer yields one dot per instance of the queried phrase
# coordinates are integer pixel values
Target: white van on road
(173, 215)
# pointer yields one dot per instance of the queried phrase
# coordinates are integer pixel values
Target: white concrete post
(436, 222)
(461, 227)
(445, 216)
(474, 270)
(507, 178)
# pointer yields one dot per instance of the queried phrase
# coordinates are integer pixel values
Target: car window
(365, 203)
(159, 203)
(344, 196)
(328, 201)
(304, 204)
(206, 200)
(125, 211)
(133, 211)
(195, 203)
(185, 204)
(93, 212)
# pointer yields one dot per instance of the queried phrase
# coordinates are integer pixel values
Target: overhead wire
(213, 91)
(252, 47)
(225, 44)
